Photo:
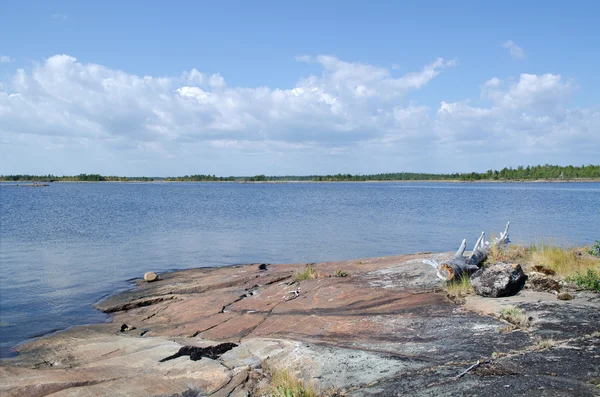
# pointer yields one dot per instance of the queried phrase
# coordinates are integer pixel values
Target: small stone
(150, 276)
(125, 327)
(499, 279)
(564, 296)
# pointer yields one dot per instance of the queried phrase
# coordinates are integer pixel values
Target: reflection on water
(64, 246)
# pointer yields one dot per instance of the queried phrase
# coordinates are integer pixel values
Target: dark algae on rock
(196, 353)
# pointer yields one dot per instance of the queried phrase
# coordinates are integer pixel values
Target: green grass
(588, 280)
(595, 249)
(309, 273)
(341, 273)
(461, 287)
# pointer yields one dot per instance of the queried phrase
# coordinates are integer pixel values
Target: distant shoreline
(574, 180)
(537, 173)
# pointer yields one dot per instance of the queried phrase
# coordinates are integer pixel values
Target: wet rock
(150, 276)
(497, 280)
(564, 296)
(541, 282)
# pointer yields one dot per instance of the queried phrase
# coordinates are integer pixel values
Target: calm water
(65, 246)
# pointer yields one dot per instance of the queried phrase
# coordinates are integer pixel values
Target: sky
(296, 87)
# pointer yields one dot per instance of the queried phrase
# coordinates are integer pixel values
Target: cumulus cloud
(6, 59)
(515, 51)
(529, 92)
(352, 117)
(527, 116)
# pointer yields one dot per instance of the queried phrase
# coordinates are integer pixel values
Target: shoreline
(575, 180)
(377, 341)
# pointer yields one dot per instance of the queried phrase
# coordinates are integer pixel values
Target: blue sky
(160, 88)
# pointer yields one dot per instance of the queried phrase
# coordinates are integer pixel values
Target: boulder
(150, 276)
(497, 280)
(541, 282)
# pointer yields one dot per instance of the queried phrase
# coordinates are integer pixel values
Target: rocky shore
(381, 326)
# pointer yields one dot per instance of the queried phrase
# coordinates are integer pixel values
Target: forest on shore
(521, 173)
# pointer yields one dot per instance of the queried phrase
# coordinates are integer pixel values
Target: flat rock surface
(385, 329)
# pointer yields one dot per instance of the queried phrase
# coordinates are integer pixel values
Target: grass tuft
(461, 287)
(340, 273)
(515, 316)
(545, 344)
(309, 273)
(284, 383)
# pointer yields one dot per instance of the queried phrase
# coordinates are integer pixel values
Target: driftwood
(461, 265)
(466, 371)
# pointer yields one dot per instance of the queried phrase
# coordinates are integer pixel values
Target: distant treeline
(395, 176)
(201, 178)
(73, 178)
(538, 172)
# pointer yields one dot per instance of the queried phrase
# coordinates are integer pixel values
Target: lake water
(65, 246)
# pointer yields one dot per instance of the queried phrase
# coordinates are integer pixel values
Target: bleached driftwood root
(466, 371)
(461, 264)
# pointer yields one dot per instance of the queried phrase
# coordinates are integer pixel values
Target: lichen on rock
(499, 279)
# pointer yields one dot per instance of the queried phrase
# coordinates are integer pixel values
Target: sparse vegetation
(545, 344)
(341, 273)
(460, 288)
(548, 258)
(515, 317)
(595, 249)
(578, 265)
(309, 273)
(284, 383)
(565, 262)
(588, 280)
(511, 253)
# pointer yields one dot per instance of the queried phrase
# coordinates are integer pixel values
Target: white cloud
(530, 92)
(515, 51)
(6, 59)
(527, 117)
(90, 118)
